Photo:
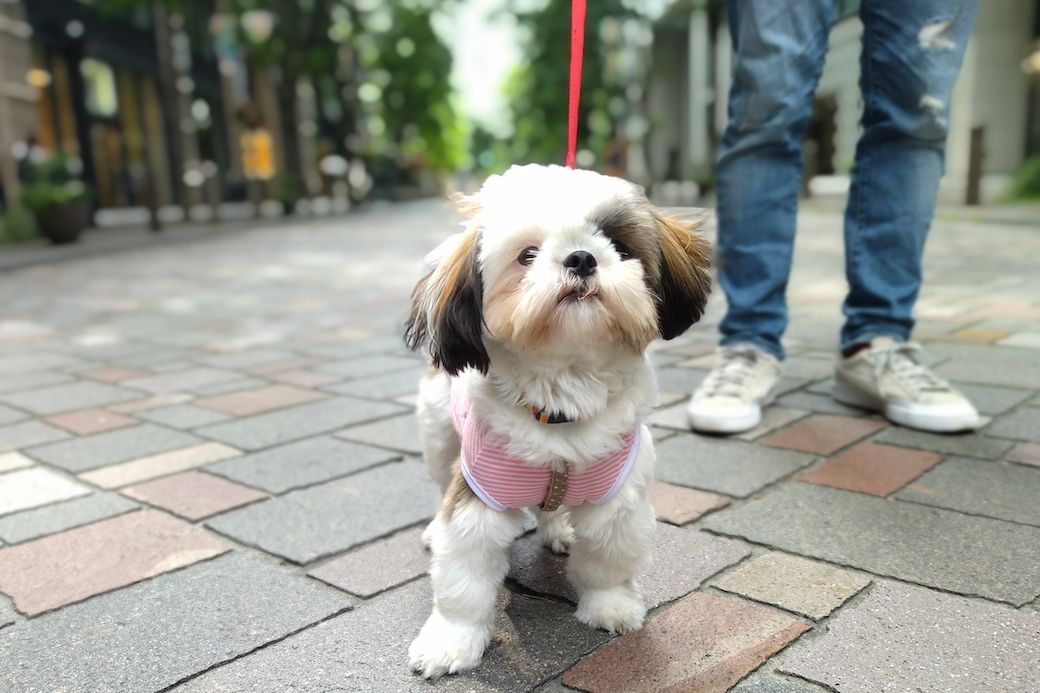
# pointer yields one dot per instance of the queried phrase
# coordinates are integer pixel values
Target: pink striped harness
(503, 481)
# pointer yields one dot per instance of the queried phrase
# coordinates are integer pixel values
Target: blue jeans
(912, 52)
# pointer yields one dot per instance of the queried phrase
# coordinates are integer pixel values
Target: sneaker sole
(725, 424)
(933, 423)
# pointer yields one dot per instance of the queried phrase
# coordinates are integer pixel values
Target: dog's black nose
(581, 263)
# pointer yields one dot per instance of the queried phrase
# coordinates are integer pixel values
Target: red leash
(577, 50)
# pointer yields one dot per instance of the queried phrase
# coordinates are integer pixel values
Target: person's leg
(780, 48)
(912, 52)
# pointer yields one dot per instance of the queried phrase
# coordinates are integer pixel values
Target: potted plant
(58, 200)
(288, 189)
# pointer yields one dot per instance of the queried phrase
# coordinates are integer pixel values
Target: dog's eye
(622, 250)
(527, 255)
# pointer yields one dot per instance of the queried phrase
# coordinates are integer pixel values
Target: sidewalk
(209, 481)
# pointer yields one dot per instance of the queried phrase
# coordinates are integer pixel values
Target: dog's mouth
(579, 294)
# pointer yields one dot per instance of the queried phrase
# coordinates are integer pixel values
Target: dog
(536, 319)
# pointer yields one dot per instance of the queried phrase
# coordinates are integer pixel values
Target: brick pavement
(209, 481)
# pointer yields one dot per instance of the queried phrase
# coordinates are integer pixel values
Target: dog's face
(558, 261)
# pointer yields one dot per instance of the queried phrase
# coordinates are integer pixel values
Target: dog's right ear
(447, 308)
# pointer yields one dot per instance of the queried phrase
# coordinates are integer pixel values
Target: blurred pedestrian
(912, 52)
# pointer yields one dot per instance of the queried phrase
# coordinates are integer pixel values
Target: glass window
(100, 83)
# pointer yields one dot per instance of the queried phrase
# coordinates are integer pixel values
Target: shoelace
(731, 375)
(903, 361)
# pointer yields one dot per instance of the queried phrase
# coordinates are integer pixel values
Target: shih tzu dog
(536, 318)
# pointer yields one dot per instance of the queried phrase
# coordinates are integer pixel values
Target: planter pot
(64, 223)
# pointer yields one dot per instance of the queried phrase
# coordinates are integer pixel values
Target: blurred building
(996, 91)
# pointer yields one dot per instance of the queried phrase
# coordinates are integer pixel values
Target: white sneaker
(730, 399)
(890, 377)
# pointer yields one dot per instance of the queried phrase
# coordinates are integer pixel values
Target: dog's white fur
(573, 347)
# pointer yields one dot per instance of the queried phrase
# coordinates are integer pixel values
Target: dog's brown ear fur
(447, 310)
(685, 275)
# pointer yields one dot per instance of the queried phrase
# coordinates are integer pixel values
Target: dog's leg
(612, 544)
(470, 560)
(555, 531)
(440, 443)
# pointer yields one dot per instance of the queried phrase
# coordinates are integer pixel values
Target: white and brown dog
(536, 319)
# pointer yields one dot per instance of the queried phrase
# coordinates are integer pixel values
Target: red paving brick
(194, 495)
(679, 505)
(260, 400)
(303, 378)
(379, 566)
(823, 434)
(71, 566)
(703, 642)
(1025, 453)
(87, 421)
(872, 468)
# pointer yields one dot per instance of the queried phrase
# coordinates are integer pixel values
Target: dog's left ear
(685, 275)
(447, 309)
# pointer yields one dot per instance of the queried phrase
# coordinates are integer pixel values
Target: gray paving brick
(228, 386)
(367, 650)
(733, 467)
(9, 415)
(969, 445)
(302, 463)
(153, 634)
(772, 682)
(7, 613)
(27, 363)
(907, 638)
(683, 559)
(993, 366)
(293, 423)
(994, 489)
(1023, 424)
(39, 522)
(680, 379)
(122, 445)
(20, 382)
(992, 400)
(314, 522)
(247, 359)
(398, 433)
(28, 433)
(183, 380)
(182, 416)
(911, 542)
(386, 386)
(366, 366)
(78, 395)
(819, 403)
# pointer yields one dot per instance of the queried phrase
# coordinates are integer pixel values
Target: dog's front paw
(446, 647)
(618, 610)
(556, 535)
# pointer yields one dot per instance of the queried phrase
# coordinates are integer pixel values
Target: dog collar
(543, 415)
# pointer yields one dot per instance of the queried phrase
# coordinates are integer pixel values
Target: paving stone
(772, 682)
(20, 382)
(302, 463)
(39, 522)
(81, 454)
(1023, 424)
(117, 475)
(311, 523)
(61, 398)
(9, 415)
(907, 638)
(995, 367)
(79, 563)
(112, 375)
(156, 633)
(1025, 453)
(681, 379)
(384, 386)
(182, 380)
(183, 416)
(289, 364)
(28, 433)
(367, 366)
(227, 387)
(194, 495)
(35, 486)
(823, 434)
(27, 363)
(967, 444)
(733, 467)
(911, 542)
(7, 612)
(993, 400)
(1026, 340)
(683, 559)
(378, 566)
(679, 505)
(247, 359)
(249, 402)
(163, 400)
(871, 468)
(773, 418)
(673, 417)
(821, 403)
(301, 421)
(13, 460)
(793, 583)
(88, 421)
(303, 378)
(367, 650)
(398, 433)
(1003, 491)
(704, 642)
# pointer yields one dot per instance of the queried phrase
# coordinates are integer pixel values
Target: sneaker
(731, 398)
(891, 377)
